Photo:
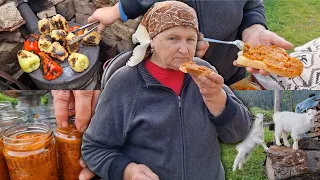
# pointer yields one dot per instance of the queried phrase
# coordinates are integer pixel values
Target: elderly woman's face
(174, 46)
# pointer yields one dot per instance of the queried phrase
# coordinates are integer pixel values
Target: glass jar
(5, 105)
(5, 123)
(69, 151)
(12, 115)
(30, 152)
(44, 114)
(4, 172)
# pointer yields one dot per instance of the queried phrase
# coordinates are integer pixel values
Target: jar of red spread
(5, 123)
(4, 173)
(30, 152)
(69, 150)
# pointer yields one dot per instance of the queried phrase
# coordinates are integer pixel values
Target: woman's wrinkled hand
(209, 86)
(202, 46)
(213, 95)
(85, 174)
(135, 171)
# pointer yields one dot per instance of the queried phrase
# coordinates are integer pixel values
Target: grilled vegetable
(73, 47)
(78, 62)
(31, 43)
(58, 35)
(58, 51)
(75, 28)
(51, 69)
(44, 26)
(44, 43)
(91, 39)
(59, 22)
(28, 61)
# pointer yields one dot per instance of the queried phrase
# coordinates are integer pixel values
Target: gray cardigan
(139, 120)
(218, 19)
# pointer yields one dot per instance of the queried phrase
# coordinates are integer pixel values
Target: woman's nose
(183, 48)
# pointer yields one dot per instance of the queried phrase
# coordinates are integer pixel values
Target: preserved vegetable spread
(274, 57)
(7, 119)
(69, 152)
(30, 152)
(4, 173)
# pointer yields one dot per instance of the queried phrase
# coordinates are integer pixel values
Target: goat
(250, 142)
(294, 123)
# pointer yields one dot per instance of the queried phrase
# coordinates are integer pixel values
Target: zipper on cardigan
(179, 101)
(182, 139)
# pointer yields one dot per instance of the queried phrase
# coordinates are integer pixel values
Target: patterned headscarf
(161, 16)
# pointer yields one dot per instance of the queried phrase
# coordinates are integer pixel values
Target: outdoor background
(298, 21)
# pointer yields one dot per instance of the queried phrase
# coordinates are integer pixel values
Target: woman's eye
(173, 38)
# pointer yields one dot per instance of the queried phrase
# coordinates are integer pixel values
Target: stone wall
(117, 36)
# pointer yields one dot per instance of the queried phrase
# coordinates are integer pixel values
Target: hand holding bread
(272, 59)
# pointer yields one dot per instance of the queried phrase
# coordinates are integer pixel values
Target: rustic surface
(66, 9)
(286, 163)
(283, 162)
(10, 17)
(309, 144)
(47, 13)
(11, 36)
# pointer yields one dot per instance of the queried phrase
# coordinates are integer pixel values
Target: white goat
(250, 142)
(294, 123)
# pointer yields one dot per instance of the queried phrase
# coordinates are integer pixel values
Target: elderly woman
(154, 122)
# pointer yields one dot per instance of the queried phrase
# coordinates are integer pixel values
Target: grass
(266, 113)
(253, 169)
(298, 21)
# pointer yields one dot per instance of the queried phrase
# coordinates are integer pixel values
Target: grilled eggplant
(44, 26)
(44, 43)
(58, 35)
(73, 47)
(91, 39)
(58, 51)
(59, 22)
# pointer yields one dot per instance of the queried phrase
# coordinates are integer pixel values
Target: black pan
(69, 78)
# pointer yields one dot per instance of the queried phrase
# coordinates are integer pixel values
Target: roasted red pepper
(51, 69)
(31, 43)
(75, 28)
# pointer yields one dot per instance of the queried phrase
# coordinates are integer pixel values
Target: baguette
(194, 69)
(272, 59)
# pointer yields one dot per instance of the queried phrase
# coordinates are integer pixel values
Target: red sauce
(35, 159)
(69, 152)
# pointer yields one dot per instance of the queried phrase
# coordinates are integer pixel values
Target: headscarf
(161, 16)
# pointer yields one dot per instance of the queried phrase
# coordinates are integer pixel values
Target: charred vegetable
(59, 22)
(58, 35)
(28, 61)
(58, 51)
(73, 47)
(44, 26)
(51, 69)
(78, 62)
(31, 43)
(75, 28)
(45, 43)
(91, 39)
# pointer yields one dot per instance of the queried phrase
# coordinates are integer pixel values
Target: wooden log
(283, 162)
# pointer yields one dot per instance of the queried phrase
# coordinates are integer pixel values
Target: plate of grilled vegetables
(49, 59)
